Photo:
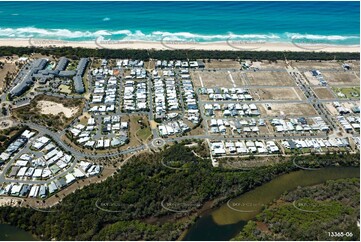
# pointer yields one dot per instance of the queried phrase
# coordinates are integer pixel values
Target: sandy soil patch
(339, 78)
(10, 201)
(48, 107)
(311, 65)
(239, 78)
(223, 64)
(212, 79)
(153, 124)
(288, 109)
(7, 66)
(268, 65)
(293, 93)
(350, 105)
(84, 118)
(269, 78)
(313, 81)
(331, 108)
(323, 93)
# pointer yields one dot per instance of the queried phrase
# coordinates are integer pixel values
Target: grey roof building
(66, 73)
(27, 80)
(78, 80)
(78, 84)
(42, 191)
(62, 64)
(82, 66)
(24, 190)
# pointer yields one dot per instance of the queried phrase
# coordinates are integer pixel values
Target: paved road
(299, 81)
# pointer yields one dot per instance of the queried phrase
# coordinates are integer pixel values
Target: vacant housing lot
(341, 78)
(273, 78)
(215, 79)
(293, 93)
(323, 93)
(222, 64)
(288, 109)
(279, 65)
(6, 66)
(319, 65)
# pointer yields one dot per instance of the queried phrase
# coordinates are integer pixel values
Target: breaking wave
(137, 35)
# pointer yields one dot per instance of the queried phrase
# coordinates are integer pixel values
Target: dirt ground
(331, 108)
(348, 105)
(351, 104)
(10, 201)
(223, 64)
(197, 131)
(84, 118)
(214, 79)
(149, 65)
(311, 65)
(288, 109)
(48, 107)
(293, 93)
(340, 78)
(269, 78)
(8, 67)
(313, 81)
(239, 78)
(243, 163)
(280, 64)
(323, 93)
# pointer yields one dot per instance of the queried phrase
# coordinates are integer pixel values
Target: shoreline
(229, 45)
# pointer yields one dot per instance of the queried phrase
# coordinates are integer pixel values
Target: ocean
(310, 22)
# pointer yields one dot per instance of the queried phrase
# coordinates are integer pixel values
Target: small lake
(227, 221)
(12, 233)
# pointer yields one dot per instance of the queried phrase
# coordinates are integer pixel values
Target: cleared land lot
(268, 65)
(54, 114)
(48, 107)
(341, 78)
(323, 93)
(271, 78)
(288, 109)
(311, 79)
(216, 79)
(331, 108)
(223, 64)
(311, 65)
(7, 66)
(293, 93)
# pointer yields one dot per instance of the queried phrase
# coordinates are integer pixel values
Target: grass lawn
(144, 133)
(136, 127)
(65, 89)
(349, 92)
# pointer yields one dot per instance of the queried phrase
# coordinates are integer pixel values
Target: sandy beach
(228, 45)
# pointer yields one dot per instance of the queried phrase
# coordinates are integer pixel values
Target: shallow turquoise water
(326, 22)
